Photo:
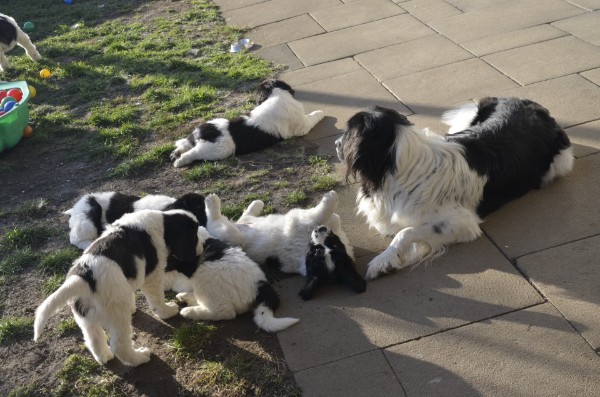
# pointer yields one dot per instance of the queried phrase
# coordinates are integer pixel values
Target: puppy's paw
(178, 163)
(306, 293)
(255, 208)
(139, 358)
(385, 262)
(36, 57)
(319, 114)
(144, 350)
(169, 310)
(330, 199)
(174, 155)
(212, 203)
(186, 297)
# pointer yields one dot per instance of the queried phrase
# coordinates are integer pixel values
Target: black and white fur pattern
(277, 239)
(430, 190)
(328, 262)
(278, 116)
(11, 35)
(92, 212)
(222, 283)
(100, 286)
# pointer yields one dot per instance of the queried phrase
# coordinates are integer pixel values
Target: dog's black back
(8, 32)
(512, 142)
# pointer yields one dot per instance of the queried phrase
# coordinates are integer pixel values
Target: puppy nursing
(278, 116)
(130, 255)
(431, 191)
(11, 35)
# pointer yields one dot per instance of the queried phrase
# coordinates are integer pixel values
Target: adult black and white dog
(328, 262)
(430, 190)
(100, 286)
(11, 35)
(91, 213)
(278, 116)
(222, 283)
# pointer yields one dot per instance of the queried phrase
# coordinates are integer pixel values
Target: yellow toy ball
(32, 91)
(45, 73)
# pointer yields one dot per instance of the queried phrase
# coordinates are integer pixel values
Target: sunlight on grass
(17, 260)
(13, 328)
(190, 339)
(59, 262)
(24, 237)
(82, 376)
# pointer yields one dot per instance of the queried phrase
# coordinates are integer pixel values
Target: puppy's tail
(267, 301)
(74, 286)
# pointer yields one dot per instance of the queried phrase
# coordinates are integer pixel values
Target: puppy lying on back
(92, 212)
(222, 283)
(278, 116)
(11, 35)
(130, 255)
(328, 261)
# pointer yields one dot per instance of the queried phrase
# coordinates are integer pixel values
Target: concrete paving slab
(546, 60)
(514, 39)
(227, 5)
(354, 376)
(564, 211)
(357, 39)
(568, 276)
(356, 13)
(413, 56)
(584, 26)
(471, 282)
(532, 352)
(428, 10)
(273, 11)
(321, 72)
(436, 90)
(572, 99)
(470, 5)
(280, 55)
(593, 76)
(341, 97)
(503, 17)
(588, 4)
(285, 31)
(585, 138)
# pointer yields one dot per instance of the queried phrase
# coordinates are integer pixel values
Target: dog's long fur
(92, 212)
(430, 190)
(278, 116)
(277, 239)
(327, 261)
(11, 35)
(222, 283)
(130, 255)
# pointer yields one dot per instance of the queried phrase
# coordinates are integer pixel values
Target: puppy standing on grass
(11, 35)
(222, 283)
(432, 191)
(278, 116)
(130, 255)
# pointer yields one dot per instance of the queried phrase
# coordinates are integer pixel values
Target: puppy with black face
(90, 214)
(278, 116)
(100, 286)
(328, 262)
(430, 191)
(12, 35)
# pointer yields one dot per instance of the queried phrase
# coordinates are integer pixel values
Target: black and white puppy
(11, 35)
(222, 283)
(278, 116)
(430, 190)
(327, 261)
(100, 286)
(92, 212)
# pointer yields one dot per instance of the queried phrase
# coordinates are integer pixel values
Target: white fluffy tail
(460, 118)
(263, 317)
(74, 286)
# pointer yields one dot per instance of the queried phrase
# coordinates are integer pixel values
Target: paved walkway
(516, 313)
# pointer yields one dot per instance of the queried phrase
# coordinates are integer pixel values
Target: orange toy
(27, 131)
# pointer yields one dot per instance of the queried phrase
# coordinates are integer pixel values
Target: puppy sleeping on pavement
(100, 286)
(222, 283)
(328, 261)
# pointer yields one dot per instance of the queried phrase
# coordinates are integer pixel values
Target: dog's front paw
(138, 357)
(319, 114)
(170, 309)
(212, 204)
(385, 262)
(186, 297)
(174, 155)
(178, 163)
(330, 199)
(144, 350)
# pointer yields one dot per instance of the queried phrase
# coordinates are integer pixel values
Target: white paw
(385, 262)
(318, 113)
(138, 358)
(178, 163)
(330, 199)
(36, 57)
(188, 312)
(256, 207)
(186, 297)
(105, 357)
(144, 350)
(212, 203)
(169, 310)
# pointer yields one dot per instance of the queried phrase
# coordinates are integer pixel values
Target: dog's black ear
(265, 89)
(181, 236)
(369, 145)
(192, 202)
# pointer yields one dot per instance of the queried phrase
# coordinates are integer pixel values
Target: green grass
(83, 377)
(324, 182)
(190, 339)
(59, 262)
(232, 211)
(52, 283)
(66, 326)
(208, 169)
(296, 197)
(17, 260)
(14, 328)
(129, 85)
(32, 209)
(24, 237)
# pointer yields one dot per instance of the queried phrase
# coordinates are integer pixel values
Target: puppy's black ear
(265, 89)
(193, 203)
(308, 291)
(369, 145)
(181, 236)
